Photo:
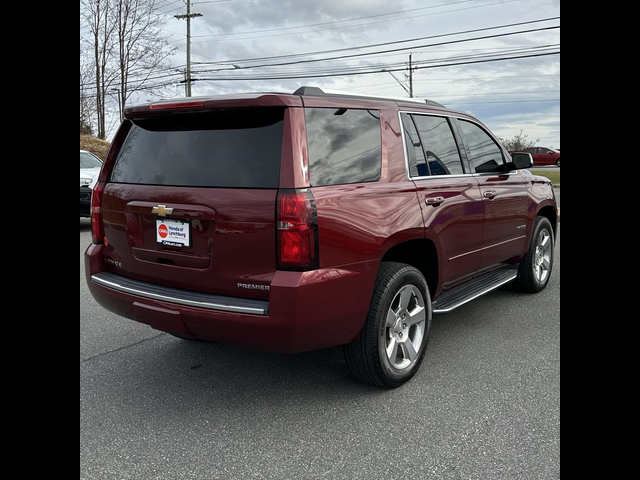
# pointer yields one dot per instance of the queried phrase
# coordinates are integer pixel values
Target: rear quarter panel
(360, 222)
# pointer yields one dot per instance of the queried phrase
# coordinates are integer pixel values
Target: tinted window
(344, 145)
(484, 154)
(439, 144)
(238, 148)
(415, 154)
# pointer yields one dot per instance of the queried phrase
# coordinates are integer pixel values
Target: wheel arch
(550, 213)
(420, 253)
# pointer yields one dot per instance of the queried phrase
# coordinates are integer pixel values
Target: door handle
(490, 194)
(435, 201)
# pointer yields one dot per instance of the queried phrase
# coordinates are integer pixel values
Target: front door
(504, 196)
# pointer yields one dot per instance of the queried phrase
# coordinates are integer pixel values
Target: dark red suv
(292, 222)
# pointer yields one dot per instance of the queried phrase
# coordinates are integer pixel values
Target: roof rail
(316, 91)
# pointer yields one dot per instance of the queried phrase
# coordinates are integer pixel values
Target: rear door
(190, 201)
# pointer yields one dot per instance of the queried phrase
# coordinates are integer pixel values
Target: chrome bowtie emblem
(162, 210)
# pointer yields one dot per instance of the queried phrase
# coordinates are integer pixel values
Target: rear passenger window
(439, 144)
(485, 155)
(344, 145)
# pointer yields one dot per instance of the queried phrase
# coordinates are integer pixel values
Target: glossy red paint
(234, 235)
(298, 317)
(294, 167)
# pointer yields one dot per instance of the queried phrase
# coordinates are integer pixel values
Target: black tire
(558, 163)
(367, 358)
(528, 279)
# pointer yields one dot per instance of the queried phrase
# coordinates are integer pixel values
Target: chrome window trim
(475, 122)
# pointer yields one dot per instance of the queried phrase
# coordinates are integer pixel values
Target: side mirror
(521, 160)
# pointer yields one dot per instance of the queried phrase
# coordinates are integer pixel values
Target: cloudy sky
(287, 38)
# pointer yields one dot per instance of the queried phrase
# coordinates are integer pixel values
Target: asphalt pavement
(484, 405)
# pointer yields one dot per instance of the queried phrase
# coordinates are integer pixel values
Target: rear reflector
(169, 106)
(297, 227)
(97, 228)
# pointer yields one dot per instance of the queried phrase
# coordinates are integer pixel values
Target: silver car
(90, 166)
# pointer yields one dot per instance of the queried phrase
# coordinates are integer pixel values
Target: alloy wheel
(405, 327)
(542, 258)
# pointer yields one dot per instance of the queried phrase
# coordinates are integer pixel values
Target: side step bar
(179, 296)
(469, 291)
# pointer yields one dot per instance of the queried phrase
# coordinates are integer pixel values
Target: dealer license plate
(173, 233)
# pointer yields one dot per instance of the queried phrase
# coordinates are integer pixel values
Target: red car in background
(544, 156)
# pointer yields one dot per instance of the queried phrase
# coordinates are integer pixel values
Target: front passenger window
(485, 156)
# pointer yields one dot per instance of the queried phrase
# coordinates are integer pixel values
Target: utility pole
(409, 90)
(188, 17)
(410, 78)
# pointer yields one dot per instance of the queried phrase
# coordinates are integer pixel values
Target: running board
(467, 292)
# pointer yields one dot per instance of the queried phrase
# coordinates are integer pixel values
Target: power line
(366, 66)
(358, 25)
(332, 22)
(353, 55)
(166, 3)
(324, 69)
(169, 11)
(362, 69)
(380, 44)
(290, 77)
(343, 70)
(335, 50)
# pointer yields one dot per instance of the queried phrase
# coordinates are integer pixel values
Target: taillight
(97, 228)
(297, 227)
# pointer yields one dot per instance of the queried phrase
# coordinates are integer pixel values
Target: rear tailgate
(190, 202)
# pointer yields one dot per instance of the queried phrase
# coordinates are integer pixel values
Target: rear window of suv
(344, 145)
(233, 148)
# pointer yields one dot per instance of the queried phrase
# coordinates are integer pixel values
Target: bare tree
(141, 46)
(97, 15)
(519, 142)
(126, 47)
(87, 98)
